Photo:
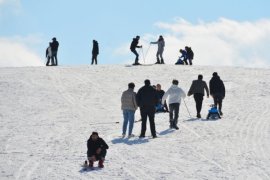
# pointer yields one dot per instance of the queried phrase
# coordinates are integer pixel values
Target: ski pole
(116, 122)
(147, 50)
(187, 108)
(143, 56)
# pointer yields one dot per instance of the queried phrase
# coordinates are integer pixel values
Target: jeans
(137, 55)
(174, 109)
(128, 119)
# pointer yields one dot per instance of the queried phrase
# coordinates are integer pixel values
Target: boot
(158, 61)
(100, 163)
(91, 163)
(162, 61)
(175, 125)
(171, 124)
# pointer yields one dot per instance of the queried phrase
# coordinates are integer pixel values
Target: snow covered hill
(48, 113)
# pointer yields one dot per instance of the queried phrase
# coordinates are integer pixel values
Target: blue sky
(30, 24)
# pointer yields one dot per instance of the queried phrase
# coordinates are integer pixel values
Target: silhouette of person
(54, 47)
(133, 46)
(49, 55)
(95, 52)
(161, 44)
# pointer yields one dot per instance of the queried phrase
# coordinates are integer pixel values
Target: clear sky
(27, 26)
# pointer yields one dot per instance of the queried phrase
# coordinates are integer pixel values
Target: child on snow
(213, 112)
(96, 150)
(184, 56)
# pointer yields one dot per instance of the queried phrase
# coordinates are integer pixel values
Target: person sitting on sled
(213, 112)
(96, 150)
(184, 56)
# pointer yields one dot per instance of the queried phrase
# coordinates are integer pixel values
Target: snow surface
(48, 113)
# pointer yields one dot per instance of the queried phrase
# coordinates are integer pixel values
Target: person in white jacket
(174, 95)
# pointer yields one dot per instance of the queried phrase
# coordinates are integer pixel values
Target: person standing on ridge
(197, 90)
(95, 52)
(190, 54)
(161, 44)
(217, 91)
(133, 46)
(49, 55)
(54, 47)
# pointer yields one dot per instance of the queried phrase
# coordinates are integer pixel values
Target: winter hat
(215, 74)
(137, 37)
(94, 133)
(54, 39)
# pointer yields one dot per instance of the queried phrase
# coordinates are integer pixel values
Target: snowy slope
(48, 113)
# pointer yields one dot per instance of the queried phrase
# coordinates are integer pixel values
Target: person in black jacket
(147, 99)
(95, 52)
(133, 46)
(217, 91)
(190, 54)
(54, 48)
(96, 150)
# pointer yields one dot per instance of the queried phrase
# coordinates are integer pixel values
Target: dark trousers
(94, 58)
(98, 156)
(150, 112)
(54, 58)
(136, 54)
(218, 101)
(48, 61)
(198, 99)
(185, 61)
(174, 110)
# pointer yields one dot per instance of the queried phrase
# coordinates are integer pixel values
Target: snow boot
(158, 61)
(91, 163)
(162, 61)
(100, 163)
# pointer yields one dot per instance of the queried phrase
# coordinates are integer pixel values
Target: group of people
(51, 53)
(187, 53)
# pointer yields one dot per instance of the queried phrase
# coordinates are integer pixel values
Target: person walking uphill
(197, 90)
(133, 46)
(129, 106)
(54, 47)
(161, 44)
(95, 52)
(175, 94)
(147, 99)
(217, 91)
(96, 150)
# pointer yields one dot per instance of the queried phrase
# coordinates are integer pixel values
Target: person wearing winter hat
(175, 94)
(96, 150)
(217, 91)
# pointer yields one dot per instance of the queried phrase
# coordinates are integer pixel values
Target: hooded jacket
(147, 96)
(175, 94)
(216, 86)
(161, 44)
(92, 146)
(134, 44)
(128, 100)
(95, 49)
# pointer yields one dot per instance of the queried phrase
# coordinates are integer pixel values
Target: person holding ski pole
(175, 94)
(96, 150)
(129, 106)
(133, 46)
(161, 44)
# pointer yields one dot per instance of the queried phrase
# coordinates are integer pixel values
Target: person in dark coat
(147, 100)
(54, 48)
(133, 46)
(197, 90)
(190, 54)
(161, 93)
(217, 91)
(95, 52)
(96, 150)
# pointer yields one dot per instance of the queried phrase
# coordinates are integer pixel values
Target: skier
(49, 55)
(95, 52)
(190, 54)
(133, 46)
(147, 99)
(184, 56)
(54, 47)
(197, 90)
(129, 106)
(175, 94)
(217, 91)
(161, 44)
(96, 150)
